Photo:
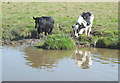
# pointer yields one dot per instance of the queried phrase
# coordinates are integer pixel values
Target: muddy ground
(33, 41)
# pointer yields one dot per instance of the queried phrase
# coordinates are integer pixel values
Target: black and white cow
(84, 23)
(44, 24)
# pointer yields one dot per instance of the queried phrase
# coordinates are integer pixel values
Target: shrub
(108, 42)
(108, 33)
(115, 43)
(94, 39)
(57, 41)
(89, 39)
(98, 33)
(104, 33)
(83, 37)
(103, 42)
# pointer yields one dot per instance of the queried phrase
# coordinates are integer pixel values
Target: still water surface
(32, 64)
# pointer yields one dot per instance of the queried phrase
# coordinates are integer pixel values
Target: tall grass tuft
(57, 41)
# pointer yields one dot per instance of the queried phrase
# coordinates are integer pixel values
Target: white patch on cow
(81, 31)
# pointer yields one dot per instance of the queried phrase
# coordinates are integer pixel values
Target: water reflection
(105, 56)
(44, 59)
(83, 58)
(86, 56)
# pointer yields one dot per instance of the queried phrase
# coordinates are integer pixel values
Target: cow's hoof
(44, 35)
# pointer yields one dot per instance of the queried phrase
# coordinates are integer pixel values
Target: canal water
(26, 63)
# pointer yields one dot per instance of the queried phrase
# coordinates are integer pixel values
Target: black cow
(44, 24)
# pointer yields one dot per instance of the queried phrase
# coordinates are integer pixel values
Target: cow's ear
(34, 18)
(89, 14)
(82, 14)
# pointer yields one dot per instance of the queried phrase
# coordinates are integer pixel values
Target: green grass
(17, 17)
(57, 41)
(108, 42)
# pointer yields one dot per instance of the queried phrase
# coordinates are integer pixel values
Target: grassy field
(17, 17)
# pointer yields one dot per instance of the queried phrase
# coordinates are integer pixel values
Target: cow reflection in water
(83, 58)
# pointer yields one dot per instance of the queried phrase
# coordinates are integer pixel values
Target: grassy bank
(57, 41)
(17, 18)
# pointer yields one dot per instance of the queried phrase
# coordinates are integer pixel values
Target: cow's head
(86, 16)
(37, 22)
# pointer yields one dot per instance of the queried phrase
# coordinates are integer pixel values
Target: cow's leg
(86, 30)
(89, 31)
(81, 31)
(39, 36)
(50, 32)
(45, 33)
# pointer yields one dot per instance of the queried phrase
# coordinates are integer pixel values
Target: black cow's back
(47, 19)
